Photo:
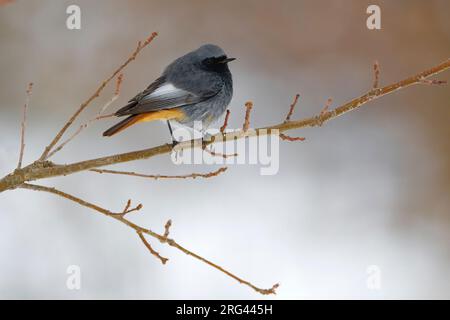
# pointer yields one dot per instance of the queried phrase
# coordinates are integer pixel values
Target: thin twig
(321, 118)
(99, 116)
(149, 247)
(291, 108)
(288, 118)
(159, 176)
(248, 110)
(83, 106)
(376, 75)
(218, 154)
(167, 228)
(225, 122)
(433, 82)
(23, 124)
(326, 107)
(141, 230)
(289, 138)
(127, 209)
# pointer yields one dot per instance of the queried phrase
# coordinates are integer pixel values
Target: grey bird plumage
(195, 87)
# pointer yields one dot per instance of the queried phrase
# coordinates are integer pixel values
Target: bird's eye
(209, 61)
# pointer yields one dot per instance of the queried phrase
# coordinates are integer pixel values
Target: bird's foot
(174, 143)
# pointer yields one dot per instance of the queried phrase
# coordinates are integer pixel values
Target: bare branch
(99, 116)
(159, 176)
(167, 228)
(376, 75)
(23, 124)
(289, 138)
(40, 170)
(217, 154)
(85, 104)
(288, 118)
(127, 209)
(225, 122)
(291, 108)
(149, 247)
(248, 110)
(140, 230)
(326, 107)
(433, 82)
(323, 113)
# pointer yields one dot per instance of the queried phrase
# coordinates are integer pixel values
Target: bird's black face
(217, 63)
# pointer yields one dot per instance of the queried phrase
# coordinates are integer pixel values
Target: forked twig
(149, 247)
(288, 118)
(85, 104)
(99, 116)
(140, 230)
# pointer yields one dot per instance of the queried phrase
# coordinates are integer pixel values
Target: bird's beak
(226, 60)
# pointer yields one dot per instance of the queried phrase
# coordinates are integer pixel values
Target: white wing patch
(168, 90)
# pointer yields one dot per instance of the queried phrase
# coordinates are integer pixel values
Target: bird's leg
(206, 138)
(174, 142)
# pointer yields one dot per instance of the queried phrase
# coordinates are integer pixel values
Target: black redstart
(195, 87)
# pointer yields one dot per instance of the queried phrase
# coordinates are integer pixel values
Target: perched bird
(195, 87)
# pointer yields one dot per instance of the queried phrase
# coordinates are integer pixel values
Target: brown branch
(85, 104)
(291, 108)
(99, 116)
(376, 75)
(225, 122)
(40, 170)
(167, 228)
(23, 124)
(140, 230)
(321, 118)
(217, 154)
(326, 107)
(288, 118)
(149, 247)
(433, 82)
(127, 209)
(159, 176)
(289, 138)
(248, 110)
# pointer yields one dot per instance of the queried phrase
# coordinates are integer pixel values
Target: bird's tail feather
(170, 114)
(122, 125)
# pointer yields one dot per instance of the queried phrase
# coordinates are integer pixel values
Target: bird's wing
(161, 94)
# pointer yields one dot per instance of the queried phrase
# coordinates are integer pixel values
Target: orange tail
(150, 116)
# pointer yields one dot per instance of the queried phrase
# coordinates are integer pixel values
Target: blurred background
(368, 189)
